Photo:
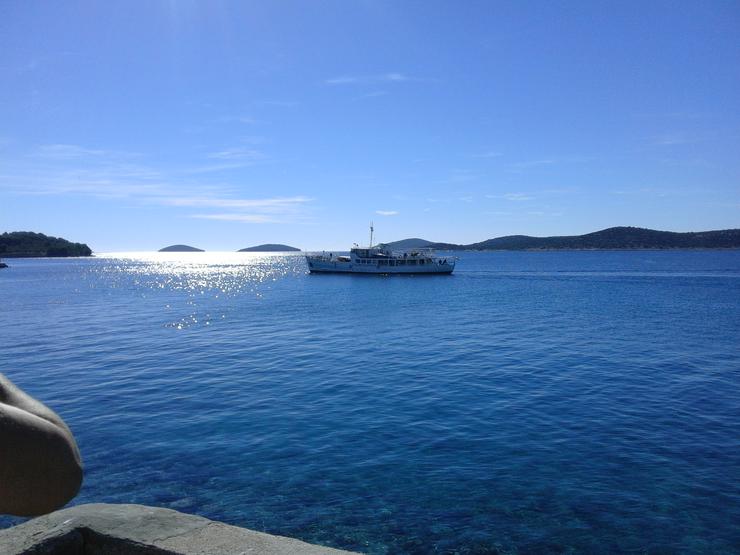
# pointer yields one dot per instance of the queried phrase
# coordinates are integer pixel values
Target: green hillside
(611, 238)
(27, 244)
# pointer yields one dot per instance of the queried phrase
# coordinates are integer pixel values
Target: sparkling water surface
(534, 402)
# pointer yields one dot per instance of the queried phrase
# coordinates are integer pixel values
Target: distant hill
(27, 244)
(406, 244)
(180, 248)
(611, 238)
(618, 238)
(269, 248)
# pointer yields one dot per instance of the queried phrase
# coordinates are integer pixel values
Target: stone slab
(98, 529)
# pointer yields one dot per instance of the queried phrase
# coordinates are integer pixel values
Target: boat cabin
(378, 256)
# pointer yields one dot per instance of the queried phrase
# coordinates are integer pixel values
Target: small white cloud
(253, 211)
(488, 154)
(534, 163)
(277, 103)
(280, 204)
(213, 168)
(671, 139)
(392, 77)
(462, 175)
(246, 120)
(344, 80)
(68, 152)
(517, 197)
(519, 166)
(246, 218)
(238, 153)
(387, 212)
(374, 94)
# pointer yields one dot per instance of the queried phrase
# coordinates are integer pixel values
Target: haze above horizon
(132, 126)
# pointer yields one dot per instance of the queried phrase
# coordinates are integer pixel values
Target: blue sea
(532, 402)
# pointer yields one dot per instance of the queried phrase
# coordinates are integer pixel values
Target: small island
(27, 244)
(270, 248)
(180, 248)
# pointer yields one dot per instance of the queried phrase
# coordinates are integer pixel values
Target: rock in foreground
(99, 529)
(40, 465)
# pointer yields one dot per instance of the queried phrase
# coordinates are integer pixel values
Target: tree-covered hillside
(619, 238)
(27, 244)
(611, 238)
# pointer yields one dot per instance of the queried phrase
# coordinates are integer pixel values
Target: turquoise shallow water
(554, 402)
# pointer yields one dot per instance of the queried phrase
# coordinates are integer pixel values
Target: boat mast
(371, 234)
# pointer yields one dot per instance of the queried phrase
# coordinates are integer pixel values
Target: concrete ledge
(102, 529)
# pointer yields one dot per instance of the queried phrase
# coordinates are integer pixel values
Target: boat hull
(339, 267)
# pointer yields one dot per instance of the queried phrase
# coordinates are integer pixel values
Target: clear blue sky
(134, 125)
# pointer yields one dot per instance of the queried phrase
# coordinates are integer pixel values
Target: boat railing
(421, 253)
(326, 256)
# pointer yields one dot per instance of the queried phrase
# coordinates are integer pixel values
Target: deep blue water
(553, 402)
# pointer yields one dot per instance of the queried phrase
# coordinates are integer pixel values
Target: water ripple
(529, 403)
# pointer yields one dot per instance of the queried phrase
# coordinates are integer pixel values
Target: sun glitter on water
(200, 275)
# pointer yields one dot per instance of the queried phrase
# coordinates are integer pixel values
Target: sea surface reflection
(575, 402)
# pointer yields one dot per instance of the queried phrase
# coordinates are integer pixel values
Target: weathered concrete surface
(101, 529)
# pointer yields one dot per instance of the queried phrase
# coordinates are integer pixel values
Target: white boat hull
(317, 265)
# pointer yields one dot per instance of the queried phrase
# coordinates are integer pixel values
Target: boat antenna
(371, 234)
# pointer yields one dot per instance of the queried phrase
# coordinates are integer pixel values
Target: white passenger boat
(380, 260)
